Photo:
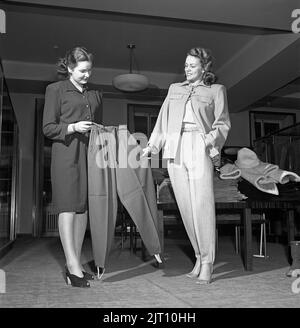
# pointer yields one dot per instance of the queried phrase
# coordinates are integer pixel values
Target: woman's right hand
(82, 126)
(146, 152)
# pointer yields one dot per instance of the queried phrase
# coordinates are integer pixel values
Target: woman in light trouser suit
(113, 171)
(192, 172)
(192, 127)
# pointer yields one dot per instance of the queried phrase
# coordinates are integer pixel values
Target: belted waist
(190, 128)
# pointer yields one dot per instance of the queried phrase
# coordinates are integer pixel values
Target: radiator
(50, 226)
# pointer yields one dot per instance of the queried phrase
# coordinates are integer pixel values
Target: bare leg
(196, 270)
(80, 223)
(66, 233)
(205, 275)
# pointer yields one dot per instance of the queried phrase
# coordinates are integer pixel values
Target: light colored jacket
(210, 110)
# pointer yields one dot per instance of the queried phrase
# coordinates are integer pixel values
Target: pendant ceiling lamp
(130, 82)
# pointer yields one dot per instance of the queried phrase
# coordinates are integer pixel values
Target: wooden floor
(34, 278)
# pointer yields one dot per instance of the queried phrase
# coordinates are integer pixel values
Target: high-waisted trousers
(191, 175)
(112, 171)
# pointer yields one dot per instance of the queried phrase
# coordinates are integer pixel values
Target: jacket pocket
(204, 99)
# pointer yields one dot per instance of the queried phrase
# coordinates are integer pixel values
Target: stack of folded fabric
(258, 178)
(224, 191)
(227, 190)
(287, 192)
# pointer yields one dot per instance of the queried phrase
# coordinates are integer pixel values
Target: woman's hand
(146, 152)
(82, 126)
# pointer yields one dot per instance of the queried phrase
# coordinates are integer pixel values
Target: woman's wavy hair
(206, 61)
(71, 59)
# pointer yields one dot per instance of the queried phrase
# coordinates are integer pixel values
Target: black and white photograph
(149, 158)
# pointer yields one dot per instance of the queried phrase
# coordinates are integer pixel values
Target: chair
(126, 227)
(230, 219)
(235, 219)
(121, 226)
(263, 235)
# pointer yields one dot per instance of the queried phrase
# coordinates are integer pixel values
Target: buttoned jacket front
(65, 104)
(210, 111)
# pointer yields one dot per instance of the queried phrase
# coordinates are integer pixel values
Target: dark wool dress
(65, 104)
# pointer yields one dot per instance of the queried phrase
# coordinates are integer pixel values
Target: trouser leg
(181, 187)
(136, 191)
(191, 176)
(200, 171)
(102, 193)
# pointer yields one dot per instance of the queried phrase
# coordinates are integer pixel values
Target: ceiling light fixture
(130, 82)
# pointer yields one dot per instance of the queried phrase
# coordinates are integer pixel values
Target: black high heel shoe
(159, 261)
(88, 276)
(76, 281)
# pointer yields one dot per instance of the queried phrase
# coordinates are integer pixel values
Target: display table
(244, 208)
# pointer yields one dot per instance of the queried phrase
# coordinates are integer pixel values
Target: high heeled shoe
(88, 276)
(160, 261)
(75, 281)
(158, 258)
(295, 273)
(202, 279)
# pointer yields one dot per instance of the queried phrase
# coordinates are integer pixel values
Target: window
(142, 119)
(265, 123)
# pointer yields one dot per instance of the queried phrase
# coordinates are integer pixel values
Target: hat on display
(246, 158)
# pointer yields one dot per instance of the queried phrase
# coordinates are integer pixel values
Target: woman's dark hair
(71, 59)
(206, 61)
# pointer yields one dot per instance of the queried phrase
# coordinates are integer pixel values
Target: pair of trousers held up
(108, 147)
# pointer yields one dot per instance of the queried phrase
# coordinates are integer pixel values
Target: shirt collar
(71, 87)
(186, 83)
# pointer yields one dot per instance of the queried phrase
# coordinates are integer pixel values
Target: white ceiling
(250, 44)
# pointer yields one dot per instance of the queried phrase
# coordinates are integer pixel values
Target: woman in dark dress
(69, 112)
